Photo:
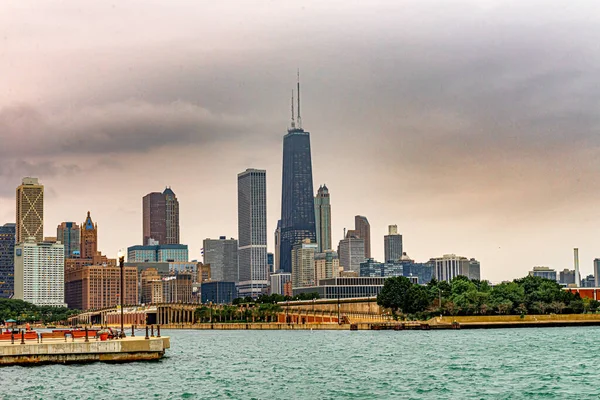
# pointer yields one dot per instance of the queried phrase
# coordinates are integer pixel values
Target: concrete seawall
(57, 351)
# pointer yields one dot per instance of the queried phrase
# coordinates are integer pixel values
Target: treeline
(247, 309)
(23, 312)
(529, 295)
(275, 298)
(247, 312)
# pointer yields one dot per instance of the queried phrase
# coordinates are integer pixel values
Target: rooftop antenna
(293, 120)
(299, 117)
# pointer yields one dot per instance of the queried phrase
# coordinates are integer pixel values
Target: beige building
(30, 211)
(203, 272)
(152, 286)
(303, 264)
(327, 265)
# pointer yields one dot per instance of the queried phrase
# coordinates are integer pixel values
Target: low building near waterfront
(218, 292)
(449, 266)
(99, 286)
(567, 277)
(420, 273)
(344, 288)
(589, 281)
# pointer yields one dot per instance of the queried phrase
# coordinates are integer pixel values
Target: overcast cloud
(473, 125)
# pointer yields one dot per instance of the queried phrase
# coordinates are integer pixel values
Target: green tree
(393, 295)
(417, 299)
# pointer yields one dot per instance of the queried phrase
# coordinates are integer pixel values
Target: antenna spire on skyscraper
(293, 120)
(299, 117)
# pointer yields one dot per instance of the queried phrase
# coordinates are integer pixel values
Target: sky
(472, 125)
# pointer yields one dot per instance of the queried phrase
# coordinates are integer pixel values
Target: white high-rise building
(252, 228)
(39, 273)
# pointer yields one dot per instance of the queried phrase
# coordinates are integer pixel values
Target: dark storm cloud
(11, 172)
(126, 127)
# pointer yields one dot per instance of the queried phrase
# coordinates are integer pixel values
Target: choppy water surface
(495, 364)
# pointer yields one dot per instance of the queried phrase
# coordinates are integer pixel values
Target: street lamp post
(338, 296)
(122, 266)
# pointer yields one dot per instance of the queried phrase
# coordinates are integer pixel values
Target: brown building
(363, 229)
(203, 273)
(89, 238)
(160, 218)
(151, 286)
(99, 286)
(287, 288)
(93, 280)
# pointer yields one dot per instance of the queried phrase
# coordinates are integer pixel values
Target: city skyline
(458, 126)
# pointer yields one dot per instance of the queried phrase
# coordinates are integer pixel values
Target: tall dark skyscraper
(161, 218)
(297, 196)
(7, 259)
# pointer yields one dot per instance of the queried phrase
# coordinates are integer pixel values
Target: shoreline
(446, 322)
(436, 323)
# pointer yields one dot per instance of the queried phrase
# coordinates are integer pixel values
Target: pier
(21, 351)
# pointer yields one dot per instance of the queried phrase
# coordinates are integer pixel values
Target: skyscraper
(222, 255)
(392, 244)
(597, 271)
(160, 218)
(7, 260)
(351, 252)
(303, 264)
(89, 238)
(323, 218)
(297, 196)
(30, 210)
(68, 233)
(252, 229)
(171, 217)
(39, 273)
(277, 245)
(363, 229)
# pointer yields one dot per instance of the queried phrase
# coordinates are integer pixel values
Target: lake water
(464, 364)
